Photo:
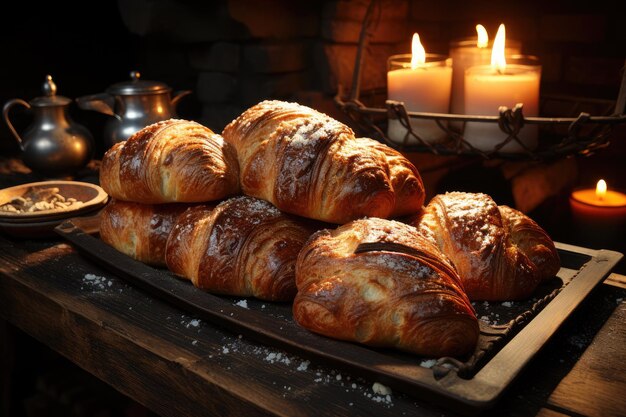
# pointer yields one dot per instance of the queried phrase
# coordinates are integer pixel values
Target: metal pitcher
(53, 145)
(133, 104)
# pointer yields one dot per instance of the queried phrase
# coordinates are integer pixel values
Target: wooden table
(176, 365)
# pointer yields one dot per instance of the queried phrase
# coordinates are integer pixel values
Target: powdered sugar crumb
(195, 323)
(304, 365)
(96, 283)
(242, 303)
(428, 363)
(319, 375)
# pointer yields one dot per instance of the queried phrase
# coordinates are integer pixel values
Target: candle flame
(418, 53)
(601, 190)
(498, 62)
(483, 38)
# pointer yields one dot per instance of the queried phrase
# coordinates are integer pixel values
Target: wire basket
(559, 136)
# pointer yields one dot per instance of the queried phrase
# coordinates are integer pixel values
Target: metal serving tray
(469, 386)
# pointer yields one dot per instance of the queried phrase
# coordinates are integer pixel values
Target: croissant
(243, 247)
(306, 163)
(499, 252)
(170, 161)
(380, 283)
(139, 230)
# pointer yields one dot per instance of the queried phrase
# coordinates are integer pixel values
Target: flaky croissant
(499, 252)
(170, 161)
(243, 247)
(306, 163)
(139, 230)
(380, 283)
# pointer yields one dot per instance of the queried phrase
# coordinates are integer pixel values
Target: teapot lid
(136, 86)
(50, 98)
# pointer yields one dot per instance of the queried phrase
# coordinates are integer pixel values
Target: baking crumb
(507, 304)
(304, 366)
(338, 377)
(195, 342)
(381, 389)
(242, 303)
(96, 282)
(428, 363)
(225, 350)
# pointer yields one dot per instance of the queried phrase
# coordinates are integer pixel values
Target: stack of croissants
(287, 205)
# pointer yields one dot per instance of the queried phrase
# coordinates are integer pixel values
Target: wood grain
(151, 352)
(595, 386)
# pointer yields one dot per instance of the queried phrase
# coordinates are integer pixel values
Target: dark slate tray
(511, 332)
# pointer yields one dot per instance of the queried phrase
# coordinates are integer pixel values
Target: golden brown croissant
(244, 247)
(499, 252)
(306, 163)
(380, 283)
(170, 161)
(139, 230)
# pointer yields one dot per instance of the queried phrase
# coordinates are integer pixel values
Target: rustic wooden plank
(547, 412)
(7, 357)
(162, 358)
(616, 280)
(595, 386)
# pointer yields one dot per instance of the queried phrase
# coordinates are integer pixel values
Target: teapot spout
(102, 103)
(179, 95)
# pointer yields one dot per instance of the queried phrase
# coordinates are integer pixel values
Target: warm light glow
(483, 38)
(418, 53)
(601, 189)
(498, 62)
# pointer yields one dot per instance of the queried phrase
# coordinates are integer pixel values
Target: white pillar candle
(422, 87)
(488, 87)
(466, 53)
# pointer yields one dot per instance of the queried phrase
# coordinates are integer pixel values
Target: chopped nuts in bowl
(48, 200)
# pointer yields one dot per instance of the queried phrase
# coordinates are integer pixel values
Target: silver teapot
(133, 104)
(53, 145)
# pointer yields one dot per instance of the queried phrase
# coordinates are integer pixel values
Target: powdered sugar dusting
(96, 283)
(287, 364)
(474, 216)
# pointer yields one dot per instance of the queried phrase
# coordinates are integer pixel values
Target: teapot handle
(178, 95)
(5, 115)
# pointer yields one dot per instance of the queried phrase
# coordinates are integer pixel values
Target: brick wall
(234, 53)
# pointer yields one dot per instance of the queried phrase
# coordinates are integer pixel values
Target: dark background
(83, 45)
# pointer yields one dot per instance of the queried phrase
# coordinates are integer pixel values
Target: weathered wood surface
(175, 365)
(595, 386)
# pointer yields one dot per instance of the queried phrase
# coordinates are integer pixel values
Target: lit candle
(466, 53)
(487, 87)
(599, 215)
(422, 82)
